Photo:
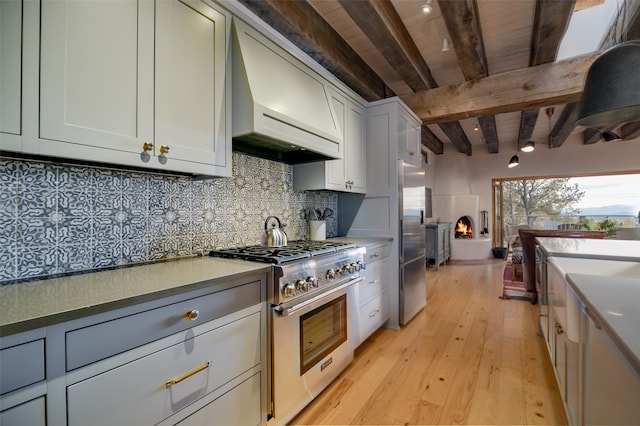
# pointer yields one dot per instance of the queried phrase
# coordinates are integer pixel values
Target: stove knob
(331, 274)
(301, 285)
(289, 290)
(352, 267)
(313, 282)
(359, 265)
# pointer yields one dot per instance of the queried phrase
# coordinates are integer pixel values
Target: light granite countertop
(29, 305)
(614, 303)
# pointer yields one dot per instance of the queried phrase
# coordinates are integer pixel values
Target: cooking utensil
(274, 237)
(326, 214)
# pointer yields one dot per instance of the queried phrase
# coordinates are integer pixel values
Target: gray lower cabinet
(373, 291)
(438, 243)
(174, 360)
(22, 379)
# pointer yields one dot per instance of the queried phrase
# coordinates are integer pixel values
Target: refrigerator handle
(421, 217)
(400, 242)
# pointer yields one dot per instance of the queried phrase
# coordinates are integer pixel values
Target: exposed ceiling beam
(431, 141)
(299, 22)
(549, 25)
(463, 26)
(561, 130)
(543, 85)
(380, 22)
(590, 136)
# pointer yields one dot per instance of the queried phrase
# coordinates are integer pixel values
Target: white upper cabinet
(136, 83)
(10, 74)
(349, 173)
(409, 139)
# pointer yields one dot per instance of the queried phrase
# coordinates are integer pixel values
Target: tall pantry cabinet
(393, 133)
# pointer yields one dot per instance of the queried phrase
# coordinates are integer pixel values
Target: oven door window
(321, 331)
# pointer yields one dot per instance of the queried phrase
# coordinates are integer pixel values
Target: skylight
(588, 28)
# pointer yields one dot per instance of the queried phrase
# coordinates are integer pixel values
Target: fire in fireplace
(464, 229)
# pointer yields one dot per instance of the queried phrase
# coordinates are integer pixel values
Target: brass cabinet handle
(559, 329)
(412, 153)
(146, 147)
(164, 149)
(191, 314)
(376, 254)
(199, 368)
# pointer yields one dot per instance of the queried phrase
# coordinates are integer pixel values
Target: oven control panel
(309, 277)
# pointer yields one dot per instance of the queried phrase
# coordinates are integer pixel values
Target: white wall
(456, 173)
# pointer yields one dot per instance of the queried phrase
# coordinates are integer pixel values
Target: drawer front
(21, 365)
(100, 341)
(374, 280)
(240, 406)
(377, 252)
(373, 314)
(28, 414)
(135, 393)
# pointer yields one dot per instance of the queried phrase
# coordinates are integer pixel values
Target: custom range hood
(281, 108)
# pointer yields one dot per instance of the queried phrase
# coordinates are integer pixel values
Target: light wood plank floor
(467, 358)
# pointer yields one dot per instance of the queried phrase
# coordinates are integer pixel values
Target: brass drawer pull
(199, 368)
(559, 329)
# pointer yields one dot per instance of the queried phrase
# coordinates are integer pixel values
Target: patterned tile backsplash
(57, 218)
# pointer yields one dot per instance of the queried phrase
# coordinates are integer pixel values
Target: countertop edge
(63, 315)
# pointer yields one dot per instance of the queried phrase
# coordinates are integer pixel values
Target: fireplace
(464, 227)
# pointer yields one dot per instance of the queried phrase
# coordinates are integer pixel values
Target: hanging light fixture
(513, 162)
(426, 7)
(528, 147)
(610, 136)
(445, 45)
(611, 93)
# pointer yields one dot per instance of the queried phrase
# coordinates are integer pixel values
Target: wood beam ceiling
(299, 22)
(543, 85)
(463, 25)
(380, 22)
(550, 23)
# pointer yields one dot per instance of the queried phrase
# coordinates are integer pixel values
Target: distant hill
(612, 210)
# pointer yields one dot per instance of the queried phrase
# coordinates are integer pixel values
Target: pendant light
(514, 161)
(426, 7)
(528, 147)
(610, 136)
(445, 45)
(611, 93)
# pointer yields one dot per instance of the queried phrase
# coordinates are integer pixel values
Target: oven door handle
(289, 310)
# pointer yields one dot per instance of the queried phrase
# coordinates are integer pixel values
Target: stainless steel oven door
(312, 342)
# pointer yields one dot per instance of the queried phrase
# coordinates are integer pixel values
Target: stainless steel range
(313, 318)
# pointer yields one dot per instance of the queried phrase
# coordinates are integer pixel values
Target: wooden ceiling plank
(549, 26)
(550, 23)
(383, 26)
(299, 22)
(431, 141)
(489, 132)
(528, 120)
(561, 130)
(527, 88)
(463, 26)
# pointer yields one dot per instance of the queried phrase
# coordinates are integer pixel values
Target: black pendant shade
(513, 162)
(611, 93)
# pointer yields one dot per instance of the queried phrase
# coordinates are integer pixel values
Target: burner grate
(295, 250)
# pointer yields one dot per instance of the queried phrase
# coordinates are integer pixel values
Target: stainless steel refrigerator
(413, 241)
